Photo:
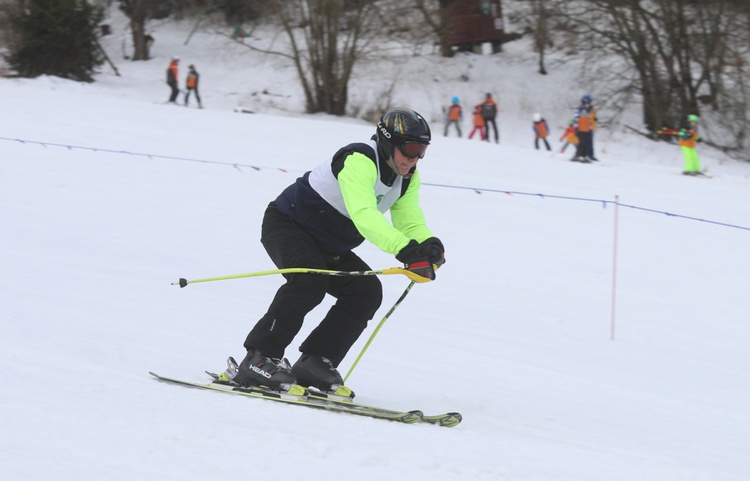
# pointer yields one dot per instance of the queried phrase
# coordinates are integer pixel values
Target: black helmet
(398, 126)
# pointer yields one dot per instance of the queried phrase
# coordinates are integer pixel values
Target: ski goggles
(413, 149)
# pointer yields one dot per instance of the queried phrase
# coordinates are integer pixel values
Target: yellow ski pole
(305, 270)
(380, 324)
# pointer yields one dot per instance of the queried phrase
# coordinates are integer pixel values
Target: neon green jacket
(343, 202)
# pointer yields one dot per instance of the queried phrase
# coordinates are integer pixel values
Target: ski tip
(451, 420)
(447, 420)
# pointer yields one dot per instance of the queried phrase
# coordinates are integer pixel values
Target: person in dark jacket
(489, 113)
(191, 85)
(585, 124)
(316, 223)
(172, 76)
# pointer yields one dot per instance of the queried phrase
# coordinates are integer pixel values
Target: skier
(569, 136)
(315, 223)
(585, 124)
(489, 112)
(478, 122)
(191, 83)
(541, 130)
(687, 137)
(454, 117)
(172, 79)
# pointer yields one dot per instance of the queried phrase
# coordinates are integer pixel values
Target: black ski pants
(491, 121)
(187, 95)
(174, 92)
(584, 144)
(357, 297)
(536, 143)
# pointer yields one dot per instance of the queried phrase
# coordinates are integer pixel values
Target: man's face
(404, 163)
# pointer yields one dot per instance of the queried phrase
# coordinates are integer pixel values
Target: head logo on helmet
(383, 131)
(397, 126)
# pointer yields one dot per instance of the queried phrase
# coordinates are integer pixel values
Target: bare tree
(541, 35)
(688, 56)
(436, 16)
(325, 40)
(138, 12)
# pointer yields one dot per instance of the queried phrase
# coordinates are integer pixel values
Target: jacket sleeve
(356, 181)
(407, 215)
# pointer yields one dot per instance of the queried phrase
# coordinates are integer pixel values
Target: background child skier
(454, 117)
(569, 136)
(541, 130)
(478, 123)
(687, 139)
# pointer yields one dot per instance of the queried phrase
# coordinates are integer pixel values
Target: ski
(702, 174)
(447, 420)
(299, 396)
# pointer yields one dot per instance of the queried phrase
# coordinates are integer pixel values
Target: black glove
(434, 250)
(419, 258)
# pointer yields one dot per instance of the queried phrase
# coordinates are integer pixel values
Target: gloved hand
(434, 250)
(418, 257)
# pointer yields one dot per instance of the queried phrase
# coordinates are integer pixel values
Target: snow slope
(520, 317)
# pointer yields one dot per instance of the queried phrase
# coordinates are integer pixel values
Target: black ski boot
(259, 369)
(318, 372)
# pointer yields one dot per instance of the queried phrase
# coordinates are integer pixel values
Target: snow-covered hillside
(107, 196)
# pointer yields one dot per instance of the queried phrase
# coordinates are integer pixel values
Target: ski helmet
(397, 127)
(454, 100)
(537, 117)
(587, 99)
(692, 118)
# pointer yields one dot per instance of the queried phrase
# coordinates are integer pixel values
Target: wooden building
(475, 22)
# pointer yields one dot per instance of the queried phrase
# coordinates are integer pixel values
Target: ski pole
(380, 324)
(305, 270)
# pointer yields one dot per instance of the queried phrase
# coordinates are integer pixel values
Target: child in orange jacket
(454, 117)
(191, 84)
(569, 136)
(541, 130)
(478, 123)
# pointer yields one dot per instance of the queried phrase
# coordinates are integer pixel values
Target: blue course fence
(479, 190)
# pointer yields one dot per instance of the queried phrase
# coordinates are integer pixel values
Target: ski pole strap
(414, 277)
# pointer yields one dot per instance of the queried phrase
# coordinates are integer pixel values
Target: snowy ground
(520, 317)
